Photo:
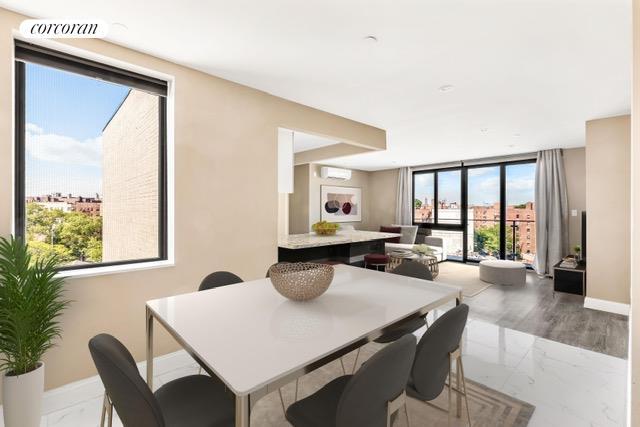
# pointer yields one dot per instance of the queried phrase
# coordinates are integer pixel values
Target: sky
(483, 185)
(65, 115)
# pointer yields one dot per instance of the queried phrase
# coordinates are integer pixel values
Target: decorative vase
(22, 398)
(301, 281)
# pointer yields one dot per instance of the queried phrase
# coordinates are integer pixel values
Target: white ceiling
(534, 68)
(305, 142)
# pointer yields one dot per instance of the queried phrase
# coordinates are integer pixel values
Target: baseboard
(604, 305)
(90, 388)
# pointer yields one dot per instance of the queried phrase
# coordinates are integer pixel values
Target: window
(90, 160)
(424, 203)
(479, 210)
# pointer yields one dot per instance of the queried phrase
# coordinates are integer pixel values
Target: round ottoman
(503, 272)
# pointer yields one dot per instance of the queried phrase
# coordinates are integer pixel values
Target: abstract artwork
(340, 204)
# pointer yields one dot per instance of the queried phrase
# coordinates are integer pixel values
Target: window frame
(462, 227)
(100, 70)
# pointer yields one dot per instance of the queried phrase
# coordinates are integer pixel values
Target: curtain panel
(552, 211)
(404, 204)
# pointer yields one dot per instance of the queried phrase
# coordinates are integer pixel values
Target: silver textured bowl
(301, 281)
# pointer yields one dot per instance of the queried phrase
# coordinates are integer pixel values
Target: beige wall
(574, 164)
(305, 211)
(384, 186)
(634, 319)
(225, 158)
(130, 180)
(299, 201)
(608, 206)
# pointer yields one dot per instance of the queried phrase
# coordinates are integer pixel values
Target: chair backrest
(219, 278)
(380, 380)
(413, 269)
(431, 364)
(133, 400)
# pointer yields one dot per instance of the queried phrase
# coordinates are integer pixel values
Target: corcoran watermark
(64, 28)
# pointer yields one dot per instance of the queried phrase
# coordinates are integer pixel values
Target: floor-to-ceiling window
(480, 211)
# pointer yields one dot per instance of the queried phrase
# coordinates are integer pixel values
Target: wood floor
(536, 310)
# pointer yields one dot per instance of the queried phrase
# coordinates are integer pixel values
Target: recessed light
(445, 88)
(372, 39)
(484, 130)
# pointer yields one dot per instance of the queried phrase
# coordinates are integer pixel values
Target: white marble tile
(570, 386)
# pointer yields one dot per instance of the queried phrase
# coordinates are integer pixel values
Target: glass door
(483, 213)
(520, 230)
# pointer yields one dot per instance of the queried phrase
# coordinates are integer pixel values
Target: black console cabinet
(570, 280)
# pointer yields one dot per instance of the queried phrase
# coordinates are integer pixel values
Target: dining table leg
(243, 411)
(149, 329)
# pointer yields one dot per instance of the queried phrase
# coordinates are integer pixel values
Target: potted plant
(31, 301)
(577, 249)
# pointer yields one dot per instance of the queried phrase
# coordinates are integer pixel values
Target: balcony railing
(514, 250)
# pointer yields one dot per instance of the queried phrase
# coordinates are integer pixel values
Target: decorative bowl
(324, 228)
(301, 281)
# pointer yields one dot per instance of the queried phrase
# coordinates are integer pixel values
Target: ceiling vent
(335, 173)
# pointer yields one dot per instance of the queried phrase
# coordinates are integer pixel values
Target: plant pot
(22, 398)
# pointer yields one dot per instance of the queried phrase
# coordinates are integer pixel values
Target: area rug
(463, 275)
(487, 407)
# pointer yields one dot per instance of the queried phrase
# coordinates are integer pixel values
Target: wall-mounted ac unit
(335, 173)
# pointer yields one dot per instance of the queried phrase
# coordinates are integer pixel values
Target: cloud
(492, 183)
(521, 184)
(62, 149)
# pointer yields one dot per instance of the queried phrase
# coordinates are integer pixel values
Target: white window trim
(170, 142)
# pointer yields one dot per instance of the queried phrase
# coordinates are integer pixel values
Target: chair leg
(344, 371)
(284, 409)
(450, 390)
(406, 414)
(458, 383)
(464, 385)
(355, 363)
(103, 414)
(296, 395)
(110, 412)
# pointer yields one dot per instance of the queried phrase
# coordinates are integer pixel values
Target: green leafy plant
(31, 302)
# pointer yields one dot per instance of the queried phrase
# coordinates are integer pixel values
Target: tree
(43, 224)
(487, 239)
(44, 251)
(417, 203)
(77, 231)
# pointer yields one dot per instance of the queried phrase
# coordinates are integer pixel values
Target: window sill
(114, 269)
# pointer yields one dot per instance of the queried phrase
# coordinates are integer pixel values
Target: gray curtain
(404, 204)
(552, 211)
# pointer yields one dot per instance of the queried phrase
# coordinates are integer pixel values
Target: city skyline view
(65, 116)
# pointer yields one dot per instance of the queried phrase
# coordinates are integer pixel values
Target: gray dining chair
(191, 401)
(368, 398)
(436, 352)
(411, 269)
(217, 279)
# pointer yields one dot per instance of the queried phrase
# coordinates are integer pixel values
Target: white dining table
(255, 340)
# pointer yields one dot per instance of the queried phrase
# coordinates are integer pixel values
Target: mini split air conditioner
(335, 173)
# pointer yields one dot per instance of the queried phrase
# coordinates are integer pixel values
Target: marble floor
(569, 386)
